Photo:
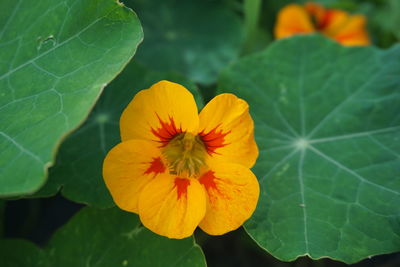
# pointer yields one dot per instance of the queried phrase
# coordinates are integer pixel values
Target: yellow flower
(179, 169)
(337, 24)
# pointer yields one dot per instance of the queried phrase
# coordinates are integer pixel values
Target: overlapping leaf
(55, 57)
(328, 127)
(78, 168)
(103, 238)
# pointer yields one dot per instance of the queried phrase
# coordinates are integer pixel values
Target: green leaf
(327, 123)
(55, 58)
(196, 38)
(20, 253)
(103, 238)
(79, 163)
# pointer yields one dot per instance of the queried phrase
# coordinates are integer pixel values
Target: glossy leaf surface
(54, 62)
(328, 127)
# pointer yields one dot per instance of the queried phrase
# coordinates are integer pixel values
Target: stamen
(185, 154)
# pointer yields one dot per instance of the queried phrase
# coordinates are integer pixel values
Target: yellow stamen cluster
(185, 154)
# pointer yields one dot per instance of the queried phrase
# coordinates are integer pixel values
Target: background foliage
(327, 124)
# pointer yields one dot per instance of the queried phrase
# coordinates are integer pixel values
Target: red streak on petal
(156, 167)
(167, 131)
(213, 139)
(181, 186)
(208, 180)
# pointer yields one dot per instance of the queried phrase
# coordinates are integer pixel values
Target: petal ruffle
(128, 167)
(293, 19)
(227, 130)
(172, 206)
(232, 195)
(159, 113)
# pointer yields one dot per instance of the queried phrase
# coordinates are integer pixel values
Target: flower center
(185, 154)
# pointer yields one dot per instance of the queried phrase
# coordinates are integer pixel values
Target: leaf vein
(355, 174)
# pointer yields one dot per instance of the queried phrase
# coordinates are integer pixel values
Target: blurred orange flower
(179, 169)
(337, 24)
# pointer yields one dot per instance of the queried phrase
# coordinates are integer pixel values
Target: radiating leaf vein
(355, 174)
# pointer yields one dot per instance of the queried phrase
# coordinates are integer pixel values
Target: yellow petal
(353, 32)
(227, 130)
(172, 206)
(232, 195)
(128, 167)
(293, 19)
(159, 113)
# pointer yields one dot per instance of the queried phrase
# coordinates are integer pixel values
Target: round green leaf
(79, 164)
(103, 238)
(55, 58)
(196, 38)
(327, 123)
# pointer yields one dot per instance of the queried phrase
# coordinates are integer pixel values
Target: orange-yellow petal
(128, 167)
(227, 130)
(332, 21)
(353, 32)
(232, 195)
(337, 24)
(172, 206)
(293, 19)
(159, 113)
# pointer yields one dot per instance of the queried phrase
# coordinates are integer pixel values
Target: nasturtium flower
(337, 24)
(179, 169)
